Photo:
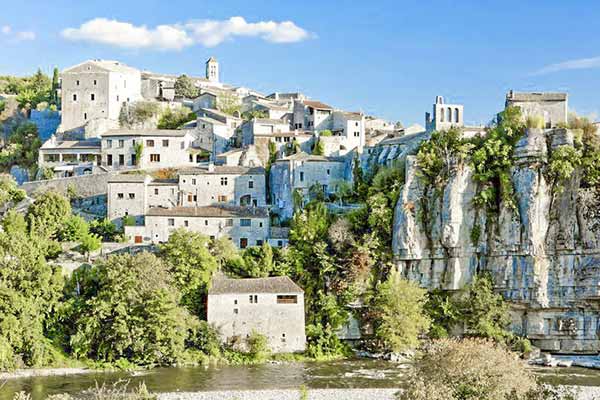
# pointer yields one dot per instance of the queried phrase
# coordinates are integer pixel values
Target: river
(337, 374)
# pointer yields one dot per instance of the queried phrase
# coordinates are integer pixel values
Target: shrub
(74, 229)
(469, 369)
(47, 215)
(173, 119)
(105, 229)
(258, 347)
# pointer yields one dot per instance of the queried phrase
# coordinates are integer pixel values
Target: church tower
(212, 70)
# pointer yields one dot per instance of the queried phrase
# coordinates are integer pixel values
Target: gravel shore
(313, 394)
(31, 372)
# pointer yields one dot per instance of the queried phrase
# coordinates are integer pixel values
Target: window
(250, 184)
(253, 299)
(84, 115)
(259, 242)
(117, 97)
(260, 224)
(222, 199)
(356, 124)
(328, 172)
(171, 222)
(109, 143)
(280, 243)
(301, 176)
(235, 310)
(235, 301)
(191, 158)
(121, 159)
(165, 143)
(449, 115)
(150, 143)
(95, 82)
(229, 222)
(193, 181)
(441, 115)
(287, 299)
(205, 222)
(132, 196)
(456, 115)
(356, 134)
(245, 222)
(92, 97)
(119, 195)
(189, 197)
(195, 197)
(77, 83)
(243, 243)
(74, 97)
(286, 139)
(122, 143)
(186, 223)
(156, 191)
(109, 160)
(154, 157)
(224, 181)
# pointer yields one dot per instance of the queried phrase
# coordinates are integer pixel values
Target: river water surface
(336, 374)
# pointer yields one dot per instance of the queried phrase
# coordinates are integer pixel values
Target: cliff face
(543, 253)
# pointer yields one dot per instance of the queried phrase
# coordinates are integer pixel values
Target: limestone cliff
(543, 253)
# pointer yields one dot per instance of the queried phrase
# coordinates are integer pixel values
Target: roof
(223, 170)
(131, 178)
(107, 65)
(210, 212)
(211, 59)
(271, 121)
(163, 182)
(74, 144)
(146, 132)
(278, 284)
(285, 134)
(535, 96)
(352, 114)
(302, 156)
(217, 112)
(271, 104)
(211, 121)
(317, 105)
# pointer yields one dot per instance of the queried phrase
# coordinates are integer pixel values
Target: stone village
(244, 162)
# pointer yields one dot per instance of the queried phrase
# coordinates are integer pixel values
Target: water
(336, 374)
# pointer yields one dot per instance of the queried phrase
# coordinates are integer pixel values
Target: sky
(385, 58)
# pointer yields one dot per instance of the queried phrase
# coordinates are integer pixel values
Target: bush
(469, 369)
(105, 229)
(173, 119)
(48, 214)
(74, 229)
(258, 347)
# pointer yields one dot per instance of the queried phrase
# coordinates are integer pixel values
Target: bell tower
(212, 70)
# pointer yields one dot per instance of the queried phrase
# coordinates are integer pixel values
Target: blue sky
(388, 58)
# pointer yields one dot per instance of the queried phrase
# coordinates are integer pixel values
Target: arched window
(449, 114)
(442, 114)
(456, 115)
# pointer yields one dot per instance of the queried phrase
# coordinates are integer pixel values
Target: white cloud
(208, 33)
(17, 36)
(581, 63)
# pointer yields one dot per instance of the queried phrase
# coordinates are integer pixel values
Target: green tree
(138, 149)
(319, 148)
(228, 103)
(74, 229)
(125, 308)
(173, 119)
(9, 191)
(48, 213)
(55, 84)
(191, 264)
(399, 307)
(184, 87)
(14, 223)
(89, 243)
(105, 229)
(325, 133)
(25, 137)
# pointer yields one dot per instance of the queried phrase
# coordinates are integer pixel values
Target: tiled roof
(210, 212)
(223, 170)
(146, 132)
(317, 105)
(278, 284)
(107, 65)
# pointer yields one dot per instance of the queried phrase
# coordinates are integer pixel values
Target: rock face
(543, 254)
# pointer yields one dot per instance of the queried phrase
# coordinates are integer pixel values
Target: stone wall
(543, 254)
(84, 185)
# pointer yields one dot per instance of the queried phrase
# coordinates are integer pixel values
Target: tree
(228, 103)
(48, 214)
(138, 149)
(55, 84)
(184, 87)
(9, 191)
(256, 262)
(89, 243)
(105, 229)
(74, 229)
(14, 223)
(319, 148)
(400, 315)
(326, 133)
(471, 369)
(125, 308)
(25, 137)
(173, 119)
(191, 264)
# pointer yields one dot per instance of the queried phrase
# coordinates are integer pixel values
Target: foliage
(319, 148)
(255, 262)
(138, 113)
(400, 315)
(562, 165)
(14, 222)
(228, 103)
(24, 145)
(444, 312)
(251, 114)
(138, 149)
(29, 292)
(534, 122)
(125, 307)
(46, 173)
(129, 220)
(9, 191)
(258, 346)
(89, 243)
(47, 215)
(325, 133)
(205, 338)
(469, 369)
(191, 265)
(184, 87)
(105, 229)
(74, 229)
(31, 90)
(173, 119)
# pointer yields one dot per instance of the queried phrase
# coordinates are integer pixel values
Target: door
(138, 239)
(243, 243)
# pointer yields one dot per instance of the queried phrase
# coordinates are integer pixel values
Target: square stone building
(273, 307)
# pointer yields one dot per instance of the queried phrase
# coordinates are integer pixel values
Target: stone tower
(212, 70)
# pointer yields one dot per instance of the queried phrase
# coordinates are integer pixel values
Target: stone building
(95, 90)
(273, 307)
(444, 116)
(70, 157)
(245, 226)
(300, 172)
(312, 115)
(553, 107)
(161, 148)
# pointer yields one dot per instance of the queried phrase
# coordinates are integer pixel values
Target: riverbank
(34, 372)
(285, 394)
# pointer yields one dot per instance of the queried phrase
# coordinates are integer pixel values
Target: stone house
(262, 127)
(312, 115)
(161, 148)
(245, 157)
(245, 226)
(284, 143)
(553, 107)
(96, 90)
(273, 307)
(70, 157)
(213, 135)
(351, 127)
(300, 172)
(223, 185)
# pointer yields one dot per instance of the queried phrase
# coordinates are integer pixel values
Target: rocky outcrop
(543, 253)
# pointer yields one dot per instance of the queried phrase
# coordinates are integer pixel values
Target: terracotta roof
(278, 284)
(210, 212)
(146, 132)
(317, 105)
(223, 170)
